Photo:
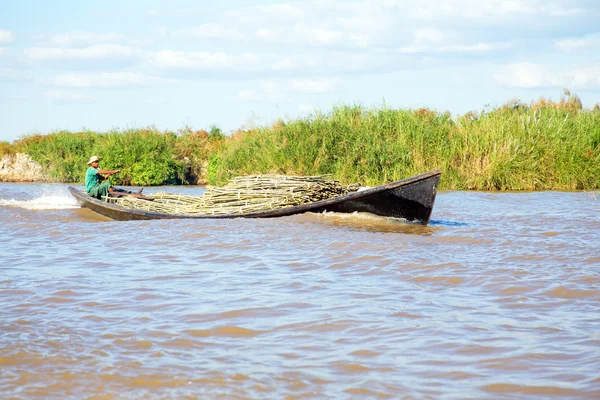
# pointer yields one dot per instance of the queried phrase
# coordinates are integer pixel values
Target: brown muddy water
(498, 298)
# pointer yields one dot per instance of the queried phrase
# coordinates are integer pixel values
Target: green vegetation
(144, 156)
(544, 145)
(6, 149)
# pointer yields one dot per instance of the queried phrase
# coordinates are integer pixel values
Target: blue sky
(106, 64)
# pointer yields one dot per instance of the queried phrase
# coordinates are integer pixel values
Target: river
(498, 298)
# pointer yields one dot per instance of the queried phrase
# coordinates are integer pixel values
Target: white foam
(45, 202)
(362, 216)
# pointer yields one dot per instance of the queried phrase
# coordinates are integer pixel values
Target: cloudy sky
(125, 64)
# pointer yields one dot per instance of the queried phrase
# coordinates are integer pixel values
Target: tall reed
(514, 147)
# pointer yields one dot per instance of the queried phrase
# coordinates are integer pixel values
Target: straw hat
(92, 159)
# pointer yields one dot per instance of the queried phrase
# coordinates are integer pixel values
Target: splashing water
(47, 199)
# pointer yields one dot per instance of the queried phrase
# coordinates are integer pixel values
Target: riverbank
(21, 167)
(544, 145)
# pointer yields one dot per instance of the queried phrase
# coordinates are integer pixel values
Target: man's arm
(107, 172)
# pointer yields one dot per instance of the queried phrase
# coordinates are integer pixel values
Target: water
(498, 298)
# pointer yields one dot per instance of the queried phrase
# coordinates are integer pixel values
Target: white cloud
(79, 38)
(283, 90)
(320, 36)
(106, 80)
(456, 49)
(313, 36)
(429, 35)
(97, 52)
(11, 74)
(586, 42)
(6, 36)
(534, 76)
(327, 38)
(154, 101)
(299, 34)
(249, 95)
(285, 13)
(210, 31)
(586, 78)
(490, 9)
(417, 27)
(384, 22)
(171, 59)
(526, 75)
(2, 50)
(187, 12)
(306, 108)
(267, 90)
(66, 96)
(306, 63)
(162, 30)
(314, 86)
(556, 9)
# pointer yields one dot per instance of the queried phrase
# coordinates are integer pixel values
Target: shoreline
(20, 167)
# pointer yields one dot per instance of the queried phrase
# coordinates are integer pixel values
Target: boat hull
(411, 199)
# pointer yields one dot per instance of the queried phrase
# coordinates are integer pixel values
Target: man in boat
(96, 180)
(97, 184)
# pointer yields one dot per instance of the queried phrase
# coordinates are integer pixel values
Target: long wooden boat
(410, 199)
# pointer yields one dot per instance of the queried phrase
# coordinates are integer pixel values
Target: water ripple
(498, 298)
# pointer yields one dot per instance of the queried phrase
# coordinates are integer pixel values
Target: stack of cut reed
(245, 194)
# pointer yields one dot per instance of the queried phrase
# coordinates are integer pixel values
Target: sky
(106, 65)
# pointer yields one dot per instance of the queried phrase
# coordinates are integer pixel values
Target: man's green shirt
(91, 179)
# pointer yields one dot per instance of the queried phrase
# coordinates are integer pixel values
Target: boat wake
(44, 202)
(371, 222)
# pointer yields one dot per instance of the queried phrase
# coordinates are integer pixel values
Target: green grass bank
(544, 145)
(146, 157)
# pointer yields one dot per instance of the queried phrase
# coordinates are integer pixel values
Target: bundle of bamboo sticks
(245, 194)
